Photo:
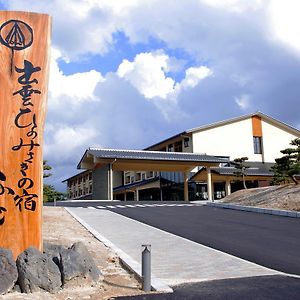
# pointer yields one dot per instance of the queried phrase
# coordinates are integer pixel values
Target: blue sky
(128, 73)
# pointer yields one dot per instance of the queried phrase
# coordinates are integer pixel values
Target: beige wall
(274, 140)
(236, 140)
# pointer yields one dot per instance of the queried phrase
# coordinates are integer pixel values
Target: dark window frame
(257, 144)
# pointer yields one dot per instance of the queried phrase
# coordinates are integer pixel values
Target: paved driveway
(270, 241)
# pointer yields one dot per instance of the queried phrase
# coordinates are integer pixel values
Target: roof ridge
(144, 151)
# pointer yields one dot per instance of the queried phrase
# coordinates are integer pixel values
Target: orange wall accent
(24, 59)
(256, 126)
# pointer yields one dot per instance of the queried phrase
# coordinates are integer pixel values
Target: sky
(129, 73)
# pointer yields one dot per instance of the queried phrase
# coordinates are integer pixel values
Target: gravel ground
(60, 228)
(285, 197)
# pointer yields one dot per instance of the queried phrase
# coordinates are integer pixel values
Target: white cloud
(78, 87)
(67, 140)
(147, 74)
(285, 22)
(243, 101)
(237, 6)
(194, 75)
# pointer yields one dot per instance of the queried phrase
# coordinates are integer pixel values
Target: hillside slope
(278, 197)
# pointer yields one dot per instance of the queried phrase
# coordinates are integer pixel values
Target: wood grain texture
(23, 100)
(256, 126)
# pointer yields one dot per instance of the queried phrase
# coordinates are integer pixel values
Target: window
(143, 176)
(257, 144)
(150, 174)
(170, 148)
(127, 179)
(137, 176)
(186, 142)
(90, 176)
(178, 146)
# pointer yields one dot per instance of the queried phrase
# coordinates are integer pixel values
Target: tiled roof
(153, 155)
(255, 169)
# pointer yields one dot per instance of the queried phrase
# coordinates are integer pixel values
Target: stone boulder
(37, 271)
(8, 271)
(73, 262)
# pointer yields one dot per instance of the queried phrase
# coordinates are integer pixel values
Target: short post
(146, 267)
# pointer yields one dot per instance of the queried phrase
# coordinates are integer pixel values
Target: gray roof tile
(153, 155)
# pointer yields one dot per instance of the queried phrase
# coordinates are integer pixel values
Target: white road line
(91, 207)
(100, 206)
(139, 205)
(110, 206)
(149, 205)
(120, 206)
(130, 205)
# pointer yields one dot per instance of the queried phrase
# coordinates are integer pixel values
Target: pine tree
(46, 167)
(288, 166)
(239, 164)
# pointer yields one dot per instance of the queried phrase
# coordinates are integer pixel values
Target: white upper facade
(256, 136)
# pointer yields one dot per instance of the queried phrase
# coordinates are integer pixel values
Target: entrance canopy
(138, 160)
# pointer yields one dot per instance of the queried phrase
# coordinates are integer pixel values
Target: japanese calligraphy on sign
(24, 47)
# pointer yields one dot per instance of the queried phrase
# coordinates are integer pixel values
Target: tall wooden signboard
(24, 63)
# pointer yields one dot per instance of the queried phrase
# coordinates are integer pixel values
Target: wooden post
(209, 185)
(24, 55)
(186, 186)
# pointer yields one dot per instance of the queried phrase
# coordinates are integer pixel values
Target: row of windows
(81, 192)
(80, 179)
(178, 146)
(139, 176)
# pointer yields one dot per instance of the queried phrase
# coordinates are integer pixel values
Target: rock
(8, 271)
(16, 288)
(54, 252)
(37, 271)
(85, 262)
(73, 262)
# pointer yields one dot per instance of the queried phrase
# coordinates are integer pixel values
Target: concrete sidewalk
(175, 260)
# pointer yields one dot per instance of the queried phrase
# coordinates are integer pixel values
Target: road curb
(276, 212)
(135, 267)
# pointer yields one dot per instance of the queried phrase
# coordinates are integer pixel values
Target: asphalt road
(253, 288)
(268, 240)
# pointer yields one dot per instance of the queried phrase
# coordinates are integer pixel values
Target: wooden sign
(24, 56)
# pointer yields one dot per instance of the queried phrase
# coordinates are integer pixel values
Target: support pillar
(186, 186)
(228, 187)
(125, 196)
(110, 183)
(137, 195)
(209, 185)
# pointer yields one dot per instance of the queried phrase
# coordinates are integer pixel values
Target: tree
(49, 192)
(288, 166)
(239, 164)
(46, 167)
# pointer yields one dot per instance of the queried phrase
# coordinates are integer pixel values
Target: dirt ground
(59, 227)
(286, 197)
